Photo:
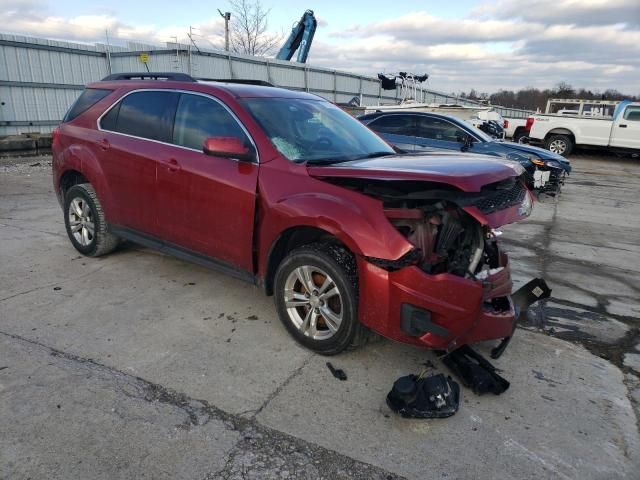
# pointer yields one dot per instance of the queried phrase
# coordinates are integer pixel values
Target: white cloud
(576, 12)
(420, 26)
(30, 18)
(503, 44)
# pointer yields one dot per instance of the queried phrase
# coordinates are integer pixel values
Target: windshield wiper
(332, 160)
(327, 161)
(375, 155)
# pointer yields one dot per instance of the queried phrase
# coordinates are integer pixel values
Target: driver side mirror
(228, 147)
(466, 140)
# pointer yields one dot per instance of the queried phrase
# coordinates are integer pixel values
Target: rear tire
(326, 325)
(560, 144)
(520, 133)
(85, 222)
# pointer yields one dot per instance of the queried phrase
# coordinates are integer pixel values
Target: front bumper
(459, 311)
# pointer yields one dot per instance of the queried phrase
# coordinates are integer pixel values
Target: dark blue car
(424, 131)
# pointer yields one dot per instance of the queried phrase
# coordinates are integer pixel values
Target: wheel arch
(561, 131)
(291, 239)
(80, 165)
(68, 179)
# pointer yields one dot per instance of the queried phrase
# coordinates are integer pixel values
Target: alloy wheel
(558, 146)
(81, 222)
(313, 302)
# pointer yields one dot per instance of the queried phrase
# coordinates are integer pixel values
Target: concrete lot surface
(138, 365)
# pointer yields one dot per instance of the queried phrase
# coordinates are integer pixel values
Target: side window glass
(85, 101)
(147, 114)
(394, 124)
(199, 117)
(438, 129)
(632, 113)
(109, 121)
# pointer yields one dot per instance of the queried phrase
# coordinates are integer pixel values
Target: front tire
(316, 295)
(560, 144)
(85, 222)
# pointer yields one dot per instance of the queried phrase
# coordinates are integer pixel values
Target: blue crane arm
(300, 38)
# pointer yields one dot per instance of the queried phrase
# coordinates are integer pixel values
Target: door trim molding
(182, 253)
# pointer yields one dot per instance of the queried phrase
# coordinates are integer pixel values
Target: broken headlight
(526, 206)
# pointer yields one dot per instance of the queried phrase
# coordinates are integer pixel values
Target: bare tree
(249, 28)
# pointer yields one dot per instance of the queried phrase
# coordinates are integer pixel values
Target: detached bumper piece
(475, 371)
(523, 298)
(436, 396)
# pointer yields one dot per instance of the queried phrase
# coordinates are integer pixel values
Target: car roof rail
(173, 76)
(241, 81)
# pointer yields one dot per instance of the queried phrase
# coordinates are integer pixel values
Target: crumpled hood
(467, 172)
(539, 152)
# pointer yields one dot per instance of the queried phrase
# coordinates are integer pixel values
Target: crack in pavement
(261, 452)
(63, 282)
(283, 385)
(27, 229)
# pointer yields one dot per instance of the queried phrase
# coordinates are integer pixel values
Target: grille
(500, 199)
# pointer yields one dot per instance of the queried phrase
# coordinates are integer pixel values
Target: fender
(560, 131)
(82, 159)
(361, 231)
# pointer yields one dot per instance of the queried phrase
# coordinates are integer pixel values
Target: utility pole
(227, 17)
(106, 32)
(189, 51)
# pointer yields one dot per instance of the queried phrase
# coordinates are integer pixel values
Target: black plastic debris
(337, 372)
(414, 396)
(475, 372)
(530, 293)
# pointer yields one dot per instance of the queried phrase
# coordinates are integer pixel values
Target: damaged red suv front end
(452, 286)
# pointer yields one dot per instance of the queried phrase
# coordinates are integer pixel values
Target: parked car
(421, 132)
(561, 133)
(285, 190)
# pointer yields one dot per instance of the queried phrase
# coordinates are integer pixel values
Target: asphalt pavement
(139, 365)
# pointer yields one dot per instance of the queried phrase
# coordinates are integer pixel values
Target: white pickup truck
(561, 133)
(516, 129)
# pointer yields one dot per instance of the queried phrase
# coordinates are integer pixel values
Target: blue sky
(481, 44)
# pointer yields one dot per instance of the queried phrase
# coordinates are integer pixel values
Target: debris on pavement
(414, 396)
(533, 291)
(475, 371)
(337, 372)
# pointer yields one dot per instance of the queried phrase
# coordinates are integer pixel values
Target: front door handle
(173, 165)
(623, 126)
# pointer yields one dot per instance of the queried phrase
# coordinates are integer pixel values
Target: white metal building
(40, 78)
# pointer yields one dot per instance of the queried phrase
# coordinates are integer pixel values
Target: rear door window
(632, 113)
(199, 117)
(147, 114)
(395, 125)
(86, 100)
(438, 129)
(109, 121)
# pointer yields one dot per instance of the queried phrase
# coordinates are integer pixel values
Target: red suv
(287, 191)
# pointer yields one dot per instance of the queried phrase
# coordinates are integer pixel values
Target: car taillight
(54, 136)
(529, 124)
(505, 124)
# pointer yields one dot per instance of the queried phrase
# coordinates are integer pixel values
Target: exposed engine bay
(449, 239)
(446, 237)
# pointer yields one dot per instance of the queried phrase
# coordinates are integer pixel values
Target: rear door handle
(623, 126)
(173, 165)
(103, 144)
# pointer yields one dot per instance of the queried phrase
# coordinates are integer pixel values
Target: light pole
(227, 17)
